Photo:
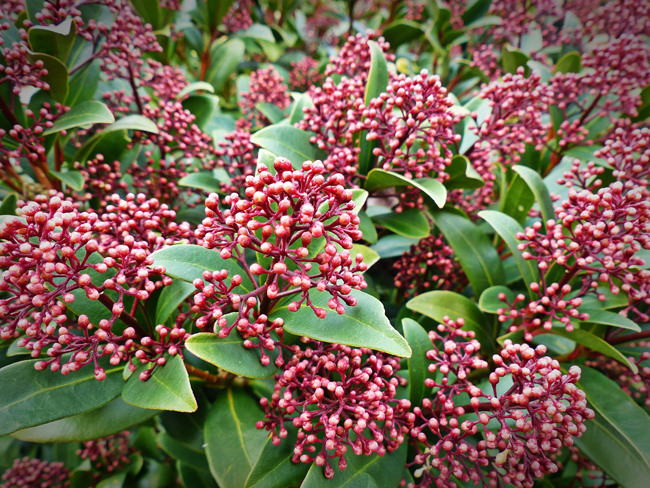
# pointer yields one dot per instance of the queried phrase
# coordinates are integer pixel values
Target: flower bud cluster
(33, 473)
(237, 156)
(108, 454)
(102, 179)
(338, 398)
(238, 17)
(353, 59)
(335, 119)
(304, 74)
(21, 70)
(540, 413)
(428, 265)
(266, 86)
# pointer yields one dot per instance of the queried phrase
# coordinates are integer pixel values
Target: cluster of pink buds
(170, 341)
(266, 86)
(237, 155)
(166, 82)
(353, 59)
(304, 73)
(102, 179)
(33, 473)
(599, 235)
(486, 59)
(238, 17)
(18, 69)
(616, 18)
(339, 398)
(291, 208)
(540, 413)
(109, 453)
(412, 125)
(335, 119)
(429, 265)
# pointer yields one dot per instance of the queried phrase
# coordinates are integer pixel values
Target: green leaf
(133, 122)
(432, 189)
(302, 102)
(83, 84)
(475, 252)
(168, 388)
(74, 179)
(224, 62)
(203, 107)
(440, 303)
(519, 199)
(86, 113)
(418, 363)
(274, 467)
(595, 343)
(258, 32)
(370, 256)
(53, 40)
(195, 477)
(288, 142)
(230, 354)
(377, 82)
(489, 301)
(507, 228)
(186, 454)
(101, 422)
(271, 112)
(393, 245)
(597, 316)
(402, 31)
(188, 262)
(367, 228)
(475, 10)
(462, 175)
(537, 186)
(31, 397)
(233, 443)
(409, 223)
(364, 325)
(571, 62)
(8, 206)
(171, 298)
(362, 471)
(203, 180)
(193, 87)
(514, 58)
(616, 439)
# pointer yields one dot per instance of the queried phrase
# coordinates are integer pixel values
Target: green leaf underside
(101, 422)
(595, 343)
(364, 325)
(537, 186)
(171, 298)
(232, 442)
(418, 364)
(31, 397)
(89, 112)
(432, 189)
(168, 388)
(288, 142)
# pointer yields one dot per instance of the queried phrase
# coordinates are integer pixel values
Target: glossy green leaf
(595, 343)
(475, 10)
(275, 468)
(203, 180)
(367, 228)
(418, 363)
(232, 442)
(271, 112)
(302, 102)
(377, 82)
(462, 175)
(101, 422)
(203, 107)
(370, 256)
(519, 199)
(507, 228)
(512, 59)
(431, 189)
(361, 472)
(194, 87)
(171, 298)
(31, 397)
(616, 439)
(188, 262)
(186, 454)
(571, 62)
(196, 478)
(168, 388)
(613, 319)
(53, 40)
(224, 62)
(393, 245)
(133, 122)
(476, 254)
(83, 84)
(537, 186)
(230, 354)
(8, 206)
(402, 31)
(364, 325)
(74, 179)
(441, 303)
(489, 301)
(288, 142)
(409, 223)
(86, 113)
